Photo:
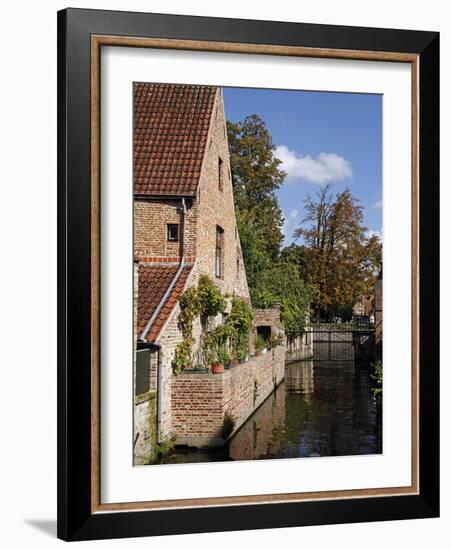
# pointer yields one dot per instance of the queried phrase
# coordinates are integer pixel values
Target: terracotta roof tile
(171, 123)
(153, 281)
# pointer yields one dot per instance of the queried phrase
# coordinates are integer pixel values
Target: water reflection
(323, 408)
(299, 378)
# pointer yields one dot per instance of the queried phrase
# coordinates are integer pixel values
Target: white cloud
(377, 205)
(372, 232)
(289, 223)
(325, 167)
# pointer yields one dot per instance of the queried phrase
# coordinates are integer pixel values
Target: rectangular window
(142, 382)
(219, 251)
(220, 174)
(173, 231)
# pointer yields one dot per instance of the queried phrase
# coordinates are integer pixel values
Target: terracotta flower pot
(217, 368)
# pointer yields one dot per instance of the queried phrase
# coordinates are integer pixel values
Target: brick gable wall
(216, 208)
(212, 207)
(151, 217)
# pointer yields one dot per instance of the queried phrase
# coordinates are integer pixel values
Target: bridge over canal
(332, 342)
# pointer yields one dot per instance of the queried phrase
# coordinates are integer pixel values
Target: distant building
(364, 306)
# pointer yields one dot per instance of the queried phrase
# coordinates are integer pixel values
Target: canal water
(322, 408)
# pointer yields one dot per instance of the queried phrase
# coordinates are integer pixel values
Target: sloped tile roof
(153, 281)
(171, 123)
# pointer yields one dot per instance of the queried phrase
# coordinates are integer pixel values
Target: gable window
(219, 251)
(220, 174)
(173, 231)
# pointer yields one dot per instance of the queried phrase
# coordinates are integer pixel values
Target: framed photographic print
(248, 274)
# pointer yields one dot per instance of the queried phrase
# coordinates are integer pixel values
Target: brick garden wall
(269, 317)
(200, 401)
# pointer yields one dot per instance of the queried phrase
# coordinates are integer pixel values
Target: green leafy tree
(282, 283)
(256, 175)
(255, 256)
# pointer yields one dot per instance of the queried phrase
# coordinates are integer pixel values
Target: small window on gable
(173, 231)
(220, 174)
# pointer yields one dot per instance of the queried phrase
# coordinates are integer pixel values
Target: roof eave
(148, 196)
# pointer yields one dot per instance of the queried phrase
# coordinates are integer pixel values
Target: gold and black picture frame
(83, 512)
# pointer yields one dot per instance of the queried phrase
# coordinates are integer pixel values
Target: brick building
(184, 226)
(364, 306)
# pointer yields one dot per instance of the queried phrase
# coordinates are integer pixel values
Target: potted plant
(214, 350)
(234, 361)
(242, 353)
(217, 367)
(221, 359)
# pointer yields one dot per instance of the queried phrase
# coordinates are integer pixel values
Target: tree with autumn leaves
(335, 264)
(340, 262)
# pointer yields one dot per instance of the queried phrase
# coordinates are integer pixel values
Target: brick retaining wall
(200, 401)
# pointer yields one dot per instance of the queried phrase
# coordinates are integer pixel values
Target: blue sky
(320, 135)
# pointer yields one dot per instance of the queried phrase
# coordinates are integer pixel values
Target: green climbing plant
(211, 300)
(190, 308)
(219, 345)
(239, 323)
(204, 300)
(215, 345)
(183, 357)
(376, 375)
